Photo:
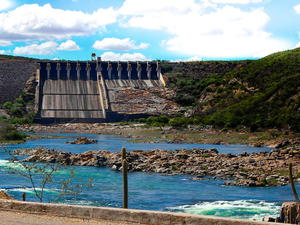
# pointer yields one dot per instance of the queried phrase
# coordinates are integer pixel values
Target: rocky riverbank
(191, 134)
(257, 169)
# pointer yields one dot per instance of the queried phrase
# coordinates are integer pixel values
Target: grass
(143, 134)
(244, 170)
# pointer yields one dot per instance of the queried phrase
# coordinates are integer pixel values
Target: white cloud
(2, 52)
(34, 22)
(297, 9)
(204, 28)
(117, 44)
(46, 48)
(6, 4)
(192, 59)
(237, 1)
(133, 7)
(5, 43)
(195, 58)
(69, 45)
(111, 56)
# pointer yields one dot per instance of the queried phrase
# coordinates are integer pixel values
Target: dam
(98, 91)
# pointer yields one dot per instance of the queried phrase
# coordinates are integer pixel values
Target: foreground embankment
(113, 215)
(257, 169)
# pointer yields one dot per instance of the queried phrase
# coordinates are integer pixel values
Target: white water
(241, 209)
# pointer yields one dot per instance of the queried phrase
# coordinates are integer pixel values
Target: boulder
(82, 141)
(289, 213)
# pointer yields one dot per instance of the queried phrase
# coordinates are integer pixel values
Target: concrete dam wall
(98, 91)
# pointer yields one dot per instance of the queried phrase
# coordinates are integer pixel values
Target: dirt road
(14, 218)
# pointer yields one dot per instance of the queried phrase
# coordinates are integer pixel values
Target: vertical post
(48, 68)
(293, 184)
(58, 68)
(99, 66)
(139, 70)
(23, 197)
(78, 68)
(37, 89)
(125, 184)
(109, 69)
(88, 70)
(119, 70)
(149, 70)
(292, 215)
(125, 178)
(129, 69)
(158, 70)
(68, 68)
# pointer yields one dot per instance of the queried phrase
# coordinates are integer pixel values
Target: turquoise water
(150, 190)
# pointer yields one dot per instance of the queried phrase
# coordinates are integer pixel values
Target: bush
(157, 124)
(9, 133)
(142, 120)
(179, 122)
(7, 105)
(151, 120)
(166, 67)
(19, 101)
(164, 119)
(21, 121)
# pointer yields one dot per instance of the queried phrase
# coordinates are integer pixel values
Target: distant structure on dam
(98, 91)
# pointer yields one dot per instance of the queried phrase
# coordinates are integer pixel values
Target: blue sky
(129, 30)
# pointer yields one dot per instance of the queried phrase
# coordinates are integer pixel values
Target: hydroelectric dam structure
(97, 91)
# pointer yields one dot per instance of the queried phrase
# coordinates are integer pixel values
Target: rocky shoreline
(258, 169)
(141, 134)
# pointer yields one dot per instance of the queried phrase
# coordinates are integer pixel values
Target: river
(149, 190)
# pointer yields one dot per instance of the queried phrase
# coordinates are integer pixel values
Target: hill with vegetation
(255, 94)
(13, 58)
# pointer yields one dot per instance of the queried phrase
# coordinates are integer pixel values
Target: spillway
(95, 91)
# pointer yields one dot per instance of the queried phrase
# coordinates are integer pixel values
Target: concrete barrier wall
(126, 215)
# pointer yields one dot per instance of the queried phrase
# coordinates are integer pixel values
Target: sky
(144, 30)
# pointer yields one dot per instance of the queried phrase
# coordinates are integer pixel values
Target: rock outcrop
(82, 141)
(3, 195)
(13, 77)
(257, 169)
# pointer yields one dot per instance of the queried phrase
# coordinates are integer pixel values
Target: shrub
(151, 120)
(174, 168)
(157, 124)
(166, 67)
(179, 122)
(21, 121)
(142, 120)
(7, 105)
(163, 119)
(9, 133)
(19, 101)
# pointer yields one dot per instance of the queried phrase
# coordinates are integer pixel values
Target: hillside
(13, 58)
(13, 77)
(258, 94)
(227, 94)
